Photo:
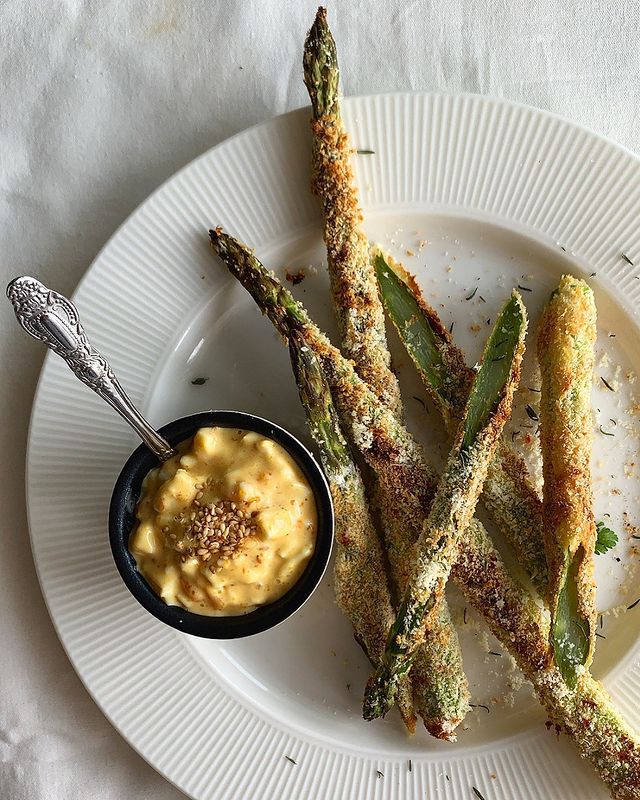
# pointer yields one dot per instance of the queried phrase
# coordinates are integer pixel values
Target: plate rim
(40, 386)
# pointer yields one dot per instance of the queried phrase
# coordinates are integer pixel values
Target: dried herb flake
(531, 413)
(199, 381)
(608, 385)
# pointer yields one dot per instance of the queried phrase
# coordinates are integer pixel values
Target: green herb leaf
(606, 538)
(199, 381)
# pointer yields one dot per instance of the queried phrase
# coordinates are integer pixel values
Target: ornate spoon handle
(51, 318)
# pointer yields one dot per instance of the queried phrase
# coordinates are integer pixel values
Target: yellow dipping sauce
(226, 525)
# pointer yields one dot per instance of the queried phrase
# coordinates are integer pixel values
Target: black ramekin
(122, 521)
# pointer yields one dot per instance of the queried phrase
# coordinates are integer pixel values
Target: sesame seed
(215, 530)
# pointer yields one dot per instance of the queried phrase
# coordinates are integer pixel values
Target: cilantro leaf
(606, 538)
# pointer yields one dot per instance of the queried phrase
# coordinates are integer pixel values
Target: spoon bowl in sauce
(220, 523)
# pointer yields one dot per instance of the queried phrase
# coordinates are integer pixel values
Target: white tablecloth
(100, 102)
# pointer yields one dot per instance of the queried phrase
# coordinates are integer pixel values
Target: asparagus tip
(319, 29)
(379, 694)
(320, 63)
(215, 237)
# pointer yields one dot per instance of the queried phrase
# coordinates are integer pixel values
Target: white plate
(502, 194)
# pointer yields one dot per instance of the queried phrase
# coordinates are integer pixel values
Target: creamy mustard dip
(226, 525)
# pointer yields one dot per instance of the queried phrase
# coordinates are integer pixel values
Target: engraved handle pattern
(50, 318)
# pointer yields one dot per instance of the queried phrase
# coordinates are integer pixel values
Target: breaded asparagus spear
(353, 282)
(508, 493)
(586, 714)
(487, 411)
(441, 692)
(566, 354)
(359, 575)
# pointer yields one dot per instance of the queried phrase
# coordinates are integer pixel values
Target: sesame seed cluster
(213, 531)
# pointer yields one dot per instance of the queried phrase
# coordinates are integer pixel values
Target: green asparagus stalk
(488, 409)
(566, 354)
(586, 714)
(441, 691)
(353, 282)
(359, 575)
(508, 493)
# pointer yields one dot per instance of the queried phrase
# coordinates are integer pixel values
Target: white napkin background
(99, 103)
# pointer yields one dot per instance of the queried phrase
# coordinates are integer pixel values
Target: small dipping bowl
(122, 520)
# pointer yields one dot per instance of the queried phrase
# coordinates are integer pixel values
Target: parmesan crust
(360, 579)
(566, 342)
(353, 283)
(441, 691)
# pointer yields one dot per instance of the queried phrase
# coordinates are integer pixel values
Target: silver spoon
(50, 318)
